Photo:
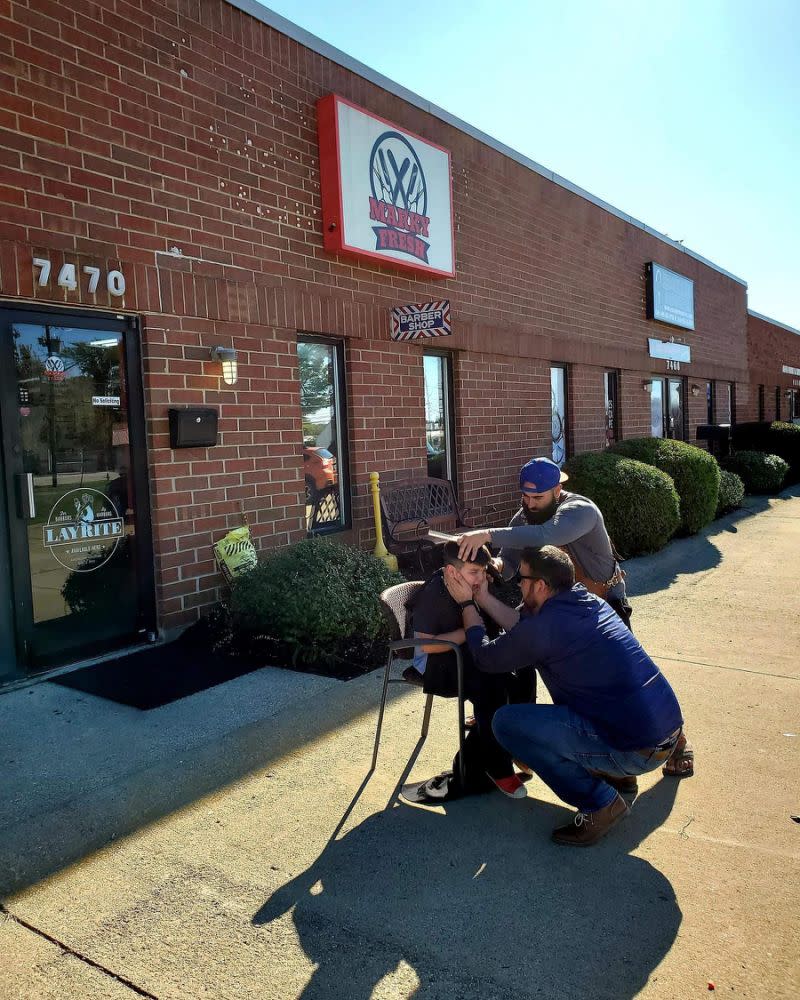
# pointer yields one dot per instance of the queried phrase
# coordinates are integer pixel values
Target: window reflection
(437, 416)
(321, 411)
(657, 408)
(558, 411)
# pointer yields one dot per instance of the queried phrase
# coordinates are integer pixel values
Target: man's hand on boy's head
(470, 542)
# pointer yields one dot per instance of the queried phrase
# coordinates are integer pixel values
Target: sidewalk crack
(65, 949)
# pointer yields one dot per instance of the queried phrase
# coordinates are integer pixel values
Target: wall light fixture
(227, 358)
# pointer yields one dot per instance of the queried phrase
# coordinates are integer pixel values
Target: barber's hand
(469, 543)
(481, 591)
(457, 587)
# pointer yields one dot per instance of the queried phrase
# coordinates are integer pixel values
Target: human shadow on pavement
(481, 904)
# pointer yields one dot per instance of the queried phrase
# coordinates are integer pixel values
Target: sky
(685, 115)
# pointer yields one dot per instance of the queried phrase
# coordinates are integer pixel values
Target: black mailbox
(718, 437)
(192, 427)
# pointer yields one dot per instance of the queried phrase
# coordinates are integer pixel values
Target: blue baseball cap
(540, 475)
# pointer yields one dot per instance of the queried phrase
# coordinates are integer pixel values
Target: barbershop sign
(432, 319)
(386, 193)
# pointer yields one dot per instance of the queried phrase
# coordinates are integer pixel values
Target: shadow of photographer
(481, 901)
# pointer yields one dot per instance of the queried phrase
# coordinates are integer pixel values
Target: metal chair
(394, 603)
(325, 508)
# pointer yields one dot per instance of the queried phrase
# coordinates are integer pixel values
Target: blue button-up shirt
(590, 662)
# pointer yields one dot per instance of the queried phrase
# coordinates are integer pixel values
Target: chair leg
(462, 768)
(426, 718)
(381, 709)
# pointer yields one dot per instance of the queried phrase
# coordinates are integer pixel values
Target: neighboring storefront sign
(386, 192)
(788, 370)
(54, 370)
(432, 319)
(668, 350)
(670, 297)
(83, 530)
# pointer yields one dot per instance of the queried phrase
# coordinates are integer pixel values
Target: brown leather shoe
(587, 828)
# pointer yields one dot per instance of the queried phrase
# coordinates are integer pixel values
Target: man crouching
(614, 715)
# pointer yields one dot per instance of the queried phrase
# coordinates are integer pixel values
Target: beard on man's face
(543, 515)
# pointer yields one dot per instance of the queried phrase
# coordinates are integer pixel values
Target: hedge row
(775, 438)
(639, 503)
(314, 596)
(760, 473)
(694, 472)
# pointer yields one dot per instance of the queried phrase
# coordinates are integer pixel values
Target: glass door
(81, 560)
(675, 408)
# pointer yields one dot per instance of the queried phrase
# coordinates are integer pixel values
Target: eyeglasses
(519, 577)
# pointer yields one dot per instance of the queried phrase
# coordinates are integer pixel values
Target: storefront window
(794, 406)
(710, 402)
(729, 404)
(761, 402)
(558, 413)
(439, 416)
(321, 370)
(777, 402)
(611, 384)
(657, 408)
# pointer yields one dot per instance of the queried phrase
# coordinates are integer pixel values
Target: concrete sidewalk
(227, 846)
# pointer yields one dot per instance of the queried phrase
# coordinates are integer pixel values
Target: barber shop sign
(386, 193)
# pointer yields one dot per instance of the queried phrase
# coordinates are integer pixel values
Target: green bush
(694, 471)
(731, 492)
(760, 473)
(314, 596)
(777, 438)
(784, 441)
(639, 503)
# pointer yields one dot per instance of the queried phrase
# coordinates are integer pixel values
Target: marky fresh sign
(386, 193)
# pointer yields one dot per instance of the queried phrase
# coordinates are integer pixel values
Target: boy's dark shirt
(434, 612)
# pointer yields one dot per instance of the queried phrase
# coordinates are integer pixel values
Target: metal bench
(409, 510)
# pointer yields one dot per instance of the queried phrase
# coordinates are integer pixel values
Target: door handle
(27, 495)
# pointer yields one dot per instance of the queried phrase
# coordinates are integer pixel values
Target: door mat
(159, 675)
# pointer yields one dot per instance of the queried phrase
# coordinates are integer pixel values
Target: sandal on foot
(680, 764)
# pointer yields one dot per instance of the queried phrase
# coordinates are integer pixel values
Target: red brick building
(774, 369)
(160, 196)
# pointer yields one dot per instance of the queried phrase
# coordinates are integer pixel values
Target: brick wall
(176, 141)
(770, 347)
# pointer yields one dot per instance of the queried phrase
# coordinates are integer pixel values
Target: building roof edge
(298, 34)
(775, 322)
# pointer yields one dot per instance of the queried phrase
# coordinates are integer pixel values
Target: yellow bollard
(380, 551)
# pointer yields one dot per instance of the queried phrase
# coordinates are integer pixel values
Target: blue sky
(685, 115)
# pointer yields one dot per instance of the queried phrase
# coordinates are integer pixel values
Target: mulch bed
(205, 655)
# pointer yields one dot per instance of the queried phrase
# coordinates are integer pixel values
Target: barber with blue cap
(550, 515)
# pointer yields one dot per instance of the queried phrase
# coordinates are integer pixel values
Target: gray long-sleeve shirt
(577, 526)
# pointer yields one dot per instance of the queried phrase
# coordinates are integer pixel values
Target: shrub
(639, 503)
(760, 473)
(777, 438)
(784, 441)
(694, 472)
(315, 596)
(731, 492)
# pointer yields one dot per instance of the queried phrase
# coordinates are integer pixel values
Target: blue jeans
(562, 747)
